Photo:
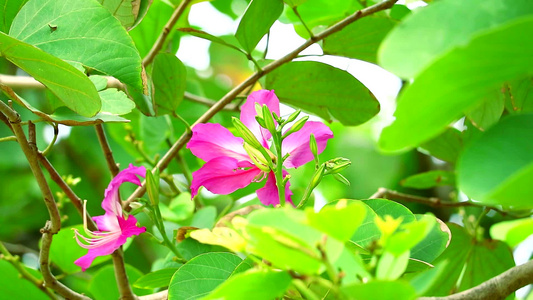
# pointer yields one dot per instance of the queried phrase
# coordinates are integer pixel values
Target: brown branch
(433, 201)
(54, 225)
(107, 150)
(218, 106)
(496, 288)
(74, 199)
(27, 82)
(163, 295)
(166, 31)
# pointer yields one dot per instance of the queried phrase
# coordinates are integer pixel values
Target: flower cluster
(231, 164)
(113, 227)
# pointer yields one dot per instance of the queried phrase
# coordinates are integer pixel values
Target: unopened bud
(152, 186)
(296, 127)
(257, 158)
(246, 134)
(317, 177)
(293, 116)
(269, 122)
(336, 165)
(341, 179)
(313, 146)
(261, 121)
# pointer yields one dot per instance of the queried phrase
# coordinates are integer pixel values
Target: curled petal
(109, 242)
(297, 144)
(248, 112)
(111, 203)
(210, 141)
(268, 195)
(223, 175)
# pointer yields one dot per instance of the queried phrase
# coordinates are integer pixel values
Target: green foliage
(323, 90)
(16, 287)
(256, 22)
(84, 32)
(101, 290)
(496, 167)
(168, 75)
(158, 279)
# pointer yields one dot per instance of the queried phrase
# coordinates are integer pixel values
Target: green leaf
(390, 266)
(430, 179)
(158, 279)
(512, 232)
(457, 82)
(496, 168)
(15, 287)
(179, 209)
(67, 83)
(191, 248)
(244, 266)
(256, 22)
(469, 262)
(447, 146)
(360, 39)
(273, 285)
(8, 11)
(434, 243)
(324, 91)
(489, 111)
(293, 3)
(367, 231)
(201, 275)
(169, 77)
(215, 39)
(115, 102)
(146, 33)
(520, 95)
(423, 37)
(100, 286)
(339, 221)
(85, 32)
(126, 11)
(379, 290)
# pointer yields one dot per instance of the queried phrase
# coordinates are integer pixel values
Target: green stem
(161, 227)
(279, 168)
(56, 133)
(8, 139)
(304, 290)
(312, 185)
(15, 261)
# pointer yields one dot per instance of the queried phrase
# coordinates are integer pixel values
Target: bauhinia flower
(114, 227)
(229, 166)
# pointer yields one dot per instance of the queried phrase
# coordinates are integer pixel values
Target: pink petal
(223, 175)
(268, 195)
(128, 228)
(297, 144)
(248, 112)
(107, 222)
(212, 140)
(111, 202)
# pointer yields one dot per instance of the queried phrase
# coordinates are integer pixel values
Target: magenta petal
(268, 195)
(107, 222)
(212, 140)
(297, 144)
(248, 112)
(111, 203)
(222, 175)
(127, 228)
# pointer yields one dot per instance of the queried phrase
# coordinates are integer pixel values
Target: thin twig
(166, 31)
(433, 201)
(496, 288)
(107, 150)
(121, 277)
(54, 225)
(15, 261)
(74, 199)
(184, 138)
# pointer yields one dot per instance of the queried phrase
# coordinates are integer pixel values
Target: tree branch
(433, 201)
(166, 31)
(54, 225)
(27, 82)
(496, 288)
(218, 106)
(107, 150)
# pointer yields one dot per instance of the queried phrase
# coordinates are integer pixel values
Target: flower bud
(317, 177)
(313, 146)
(261, 121)
(152, 186)
(297, 126)
(269, 122)
(246, 134)
(257, 157)
(337, 165)
(293, 116)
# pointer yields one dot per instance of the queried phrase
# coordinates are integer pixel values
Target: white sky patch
(194, 52)
(48, 133)
(205, 16)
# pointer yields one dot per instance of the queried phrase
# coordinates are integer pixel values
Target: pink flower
(113, 227)
(228, 166)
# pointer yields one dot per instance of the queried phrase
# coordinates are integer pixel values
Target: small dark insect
(52, 27)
